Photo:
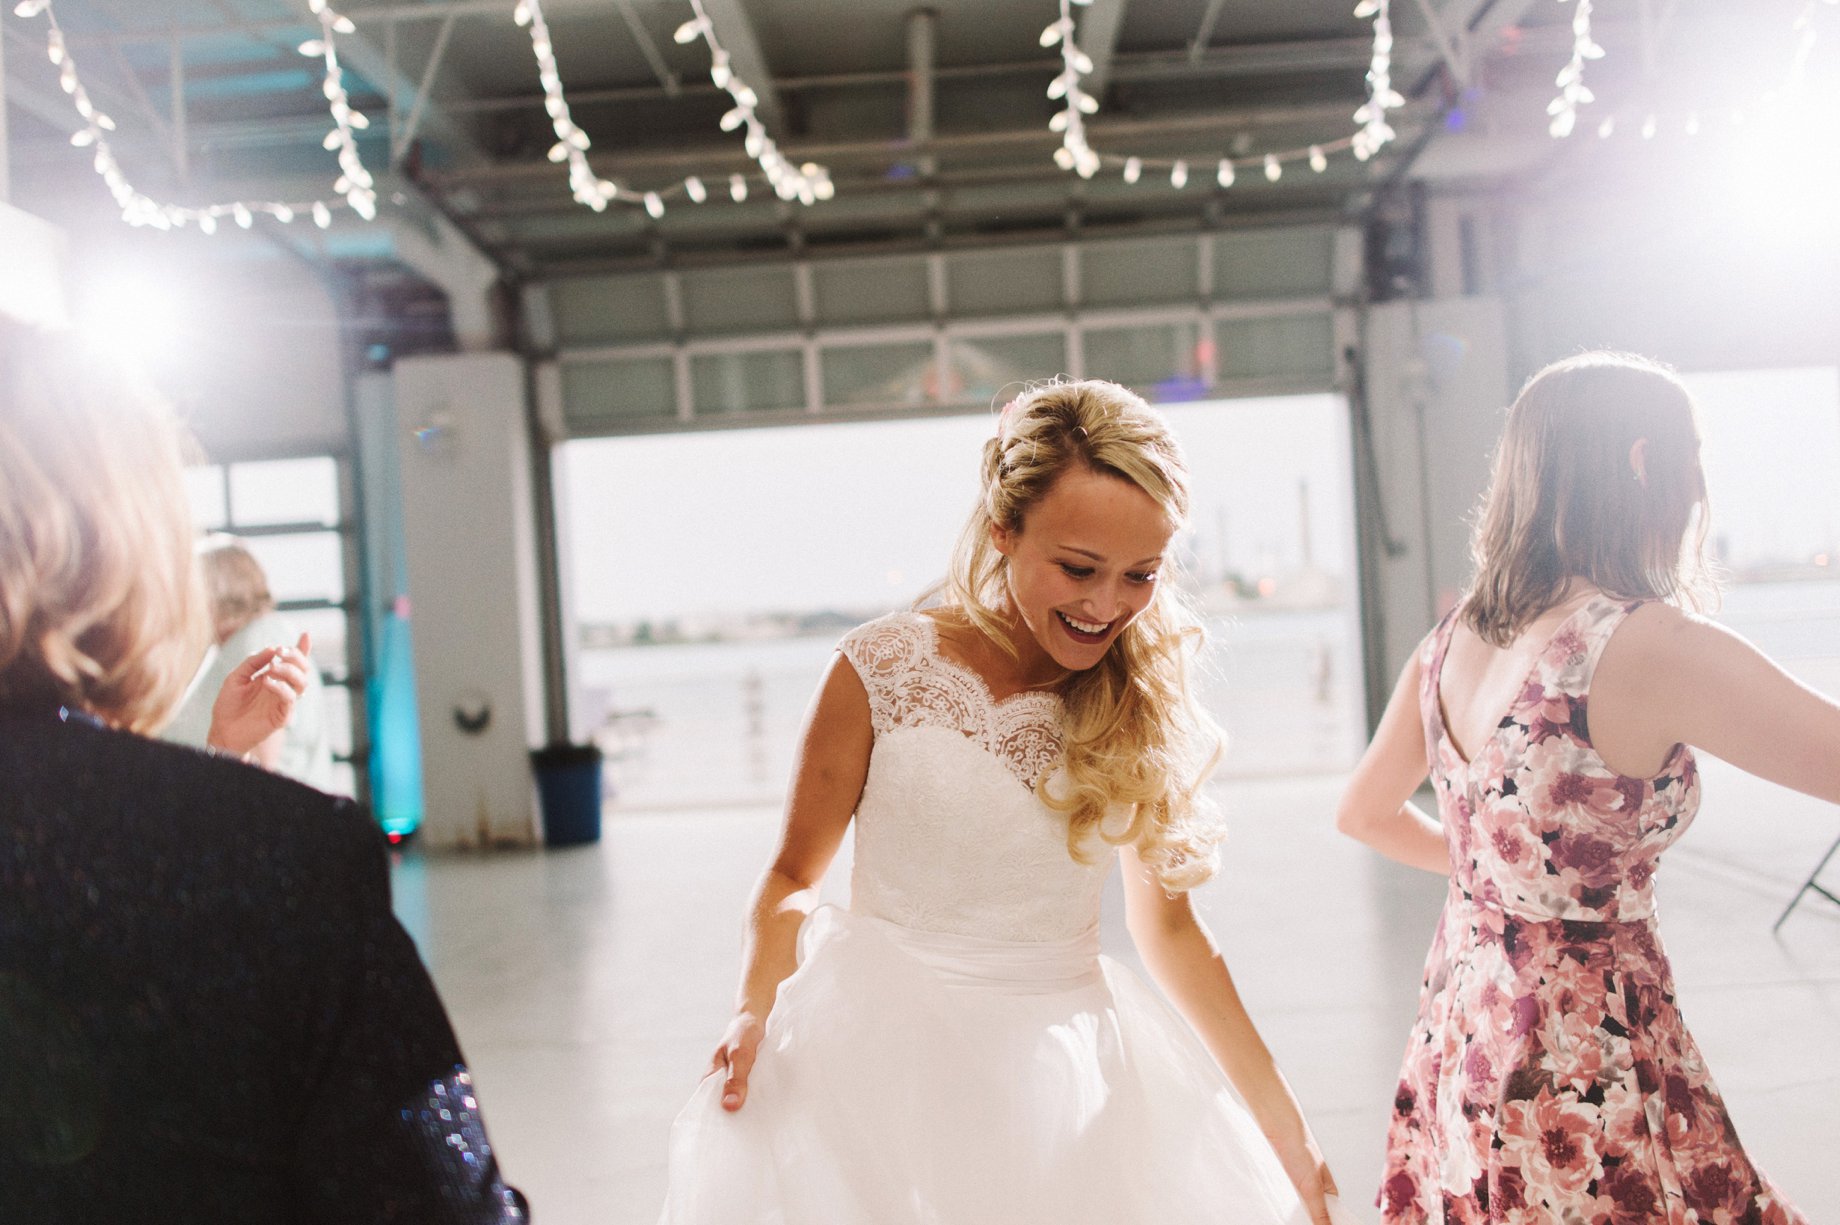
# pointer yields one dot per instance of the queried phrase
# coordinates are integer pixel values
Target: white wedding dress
(952, 1049)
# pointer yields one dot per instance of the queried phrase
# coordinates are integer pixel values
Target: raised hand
(257, 699)
(734, 1058)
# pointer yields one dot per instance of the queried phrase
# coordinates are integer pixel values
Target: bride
(952, 1049)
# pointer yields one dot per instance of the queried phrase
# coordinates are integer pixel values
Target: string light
(1573, 92)
(354, 181)
(807, 183)
(1076, 153)
(1375, 131)
(1070, 121)
(572, 143)
(138, 209)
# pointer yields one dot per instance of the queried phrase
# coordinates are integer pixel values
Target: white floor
(588, 985)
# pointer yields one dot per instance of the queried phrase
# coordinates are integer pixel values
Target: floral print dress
(1549, 1076)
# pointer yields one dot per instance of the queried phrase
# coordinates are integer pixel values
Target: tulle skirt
(919, 1077)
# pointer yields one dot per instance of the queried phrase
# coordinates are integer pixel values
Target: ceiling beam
(735, 31)
(375, 15)
(1208, 129)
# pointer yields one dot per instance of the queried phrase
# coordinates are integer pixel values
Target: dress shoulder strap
(1431, 654)
(1596, 623)
(884, 652)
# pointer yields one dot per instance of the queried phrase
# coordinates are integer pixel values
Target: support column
(468, 524)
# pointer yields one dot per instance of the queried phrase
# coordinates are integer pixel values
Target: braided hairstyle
(1136, 746)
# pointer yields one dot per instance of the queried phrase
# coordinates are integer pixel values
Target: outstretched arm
(1181, 955)
(828, 775)
(1676, 678)
(1377, 806)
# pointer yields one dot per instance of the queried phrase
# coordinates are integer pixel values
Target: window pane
(1283, 345)
(984, 366)
(748, 382)
(601, 393)
(336, 710)
(890, 374)
(871, 291)
(308, 566)
(599, 310)
(204, 488)
(1130, 271)
(329, 628)
(1162, 359)
(1273, 263)
(285, 491)
(1004, 282)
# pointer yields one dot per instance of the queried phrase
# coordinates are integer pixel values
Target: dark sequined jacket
(208, 1012)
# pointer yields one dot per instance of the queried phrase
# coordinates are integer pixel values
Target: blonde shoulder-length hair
(101, 609)
(1134, 740)
(1567, 502)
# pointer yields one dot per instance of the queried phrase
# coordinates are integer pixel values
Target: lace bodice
(950, 835)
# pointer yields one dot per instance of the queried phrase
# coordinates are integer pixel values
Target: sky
(861, 516)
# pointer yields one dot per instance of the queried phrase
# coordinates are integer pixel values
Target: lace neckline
(934, 649)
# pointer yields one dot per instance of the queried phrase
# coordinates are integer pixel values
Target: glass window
(1125, 272)
(329, 628)
(1162, 359)
(748, 382)
(871, 291)
(1276, 347)
(304, 566)
(599, 393)
(1005, 282)
(988, 366)
(285, 491)
(1273, 263)
(204, 489)
(880, 375)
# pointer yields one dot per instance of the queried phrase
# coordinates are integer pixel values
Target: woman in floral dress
(1549, 1076)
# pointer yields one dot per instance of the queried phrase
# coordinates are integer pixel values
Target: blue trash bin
(569, 793)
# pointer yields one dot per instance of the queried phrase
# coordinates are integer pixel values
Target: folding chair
(1812, 883)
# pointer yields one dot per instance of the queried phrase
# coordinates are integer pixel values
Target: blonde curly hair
(101, 608)
(1134, 741)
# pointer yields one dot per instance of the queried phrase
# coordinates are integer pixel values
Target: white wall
(468, 525)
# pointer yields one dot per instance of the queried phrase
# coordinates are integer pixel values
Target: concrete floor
(589, 985)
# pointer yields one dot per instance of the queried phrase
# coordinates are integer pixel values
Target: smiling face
(1084, 563)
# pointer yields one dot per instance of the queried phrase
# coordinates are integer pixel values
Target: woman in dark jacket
(208, 1012)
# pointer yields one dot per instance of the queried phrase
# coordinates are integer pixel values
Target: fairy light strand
(354, 181)
(807, 183)
(1573, 92)
(1375, 131)
(1075, 153)
(571, 142)
(354, 185)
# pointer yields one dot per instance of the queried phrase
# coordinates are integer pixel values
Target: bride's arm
(1180, 954)
(827, 780)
